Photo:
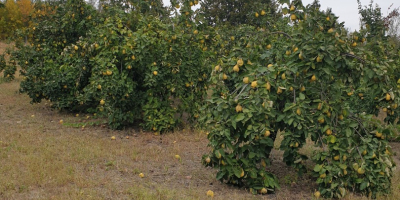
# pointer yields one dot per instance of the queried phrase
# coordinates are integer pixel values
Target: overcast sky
(347, 10)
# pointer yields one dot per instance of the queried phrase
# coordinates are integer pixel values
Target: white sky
(347, 10)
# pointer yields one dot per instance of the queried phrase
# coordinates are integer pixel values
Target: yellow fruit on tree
(242, 173)
(322, 175)
(279, 91)
(298, 111)
(133, 57)
(236, 68)
(336, 157)
(321, 120)
(319, 106)
(301, 57)
(292, 8)
(239, 108)
(270, 65)
(354, 44)
(256, 14)
(288, 52)
(388, 97)
(267, 133)
(155, 73)
(360, 171)
(254, 84)
(327, 18)
(195, 32)
(319, 59)
(330, 30)
(217, 68)
(283, 76)
(302, 89)
(268, 86)
(224, 77)
(293, 17)
(313, 78)
(377, 134)
(246, 80)
(240, 62)
(328, 131)
(102, 102)
(341, 117)
(99, 87)
(269, 46)
(76, 48)
(262, 12)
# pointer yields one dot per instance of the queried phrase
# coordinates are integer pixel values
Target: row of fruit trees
(297, 71)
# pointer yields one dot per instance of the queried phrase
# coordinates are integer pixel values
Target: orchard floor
(43, 159)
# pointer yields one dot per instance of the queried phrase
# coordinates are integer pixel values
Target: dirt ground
(40, 158)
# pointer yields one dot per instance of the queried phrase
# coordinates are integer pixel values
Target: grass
(43, 159)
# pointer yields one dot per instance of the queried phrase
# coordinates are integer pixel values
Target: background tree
(235, 12)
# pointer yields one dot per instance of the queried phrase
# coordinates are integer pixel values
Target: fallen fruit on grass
(177, 157)
(32, 115)
(317, 194)
(263, 191)
(210, 193)
(141, 175)
(61, 121)
(208, 160)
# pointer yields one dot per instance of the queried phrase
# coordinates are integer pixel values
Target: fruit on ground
(112, 137)
(210, 193)
(317, 194)
(208, 160)
(177, 156)
(141, 175)
(263, 191)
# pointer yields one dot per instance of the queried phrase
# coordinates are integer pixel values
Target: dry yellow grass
(43, 159)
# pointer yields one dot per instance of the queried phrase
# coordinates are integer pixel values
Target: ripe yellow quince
(329, 131)
(102, 102)
(298, 111)
(236, 68)
(239, 108)
(262, 12)
(388, 97)
(268, 86)
(246, 80)
(293, 17)
(240, 62)
(254, 84)
(155, 73)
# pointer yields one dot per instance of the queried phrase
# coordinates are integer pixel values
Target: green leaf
(317, 168)
(237, 171)
(284, 1)
(239, 117)
(220, 174)
(363, 185)
(252, 155)
(302, 96)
